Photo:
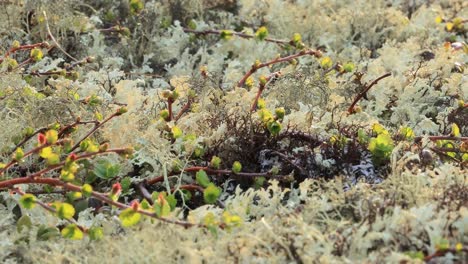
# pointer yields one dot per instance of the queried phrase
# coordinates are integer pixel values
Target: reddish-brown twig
(183, 110)
(239, 34)
(218, 172)
(32, 151)
(96, 127)
(364, 92)
(442, 252)
(262, 87)
(100, 196)
(435, 138)
(23, 47)
(257, 66)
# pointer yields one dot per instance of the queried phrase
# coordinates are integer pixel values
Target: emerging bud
(135, 205)
(16, 44)
(41, 139)
(279, 112)
(236, 167)
(36, 54)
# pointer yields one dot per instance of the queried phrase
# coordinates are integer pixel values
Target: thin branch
(54, 40)
(32, 151)
(212, 171)
(442, 252)
(257, 66)
(183, 110)
(261, 88)
(364, 92)
(144, 192)
(239, 34)
(96, 127)
(435, 138)
(100, 196)
(26, 139)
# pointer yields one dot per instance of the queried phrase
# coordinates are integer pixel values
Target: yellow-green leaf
(51, 136)
(202, 178)
(455, 130)
(65, 210)
(161, 206)
(28, 201)
(211, 193)
(45, 152)
(73, 232)
(236, 167)
(95, 233)
(176, 132)
(129, 217)
(326, 62)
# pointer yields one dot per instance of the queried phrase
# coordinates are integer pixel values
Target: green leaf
(129, 217)
(19, 154)
(176, 132)
(65, 210)
(126, 182)
(215, 162)
(381, 147)
(348, 67)
(88, 146)
(51, 136)
(46, 233)
(210, 222)
(187, 195)
(72, 232)
(279, 112)
(23, 222)
(326, 62)
(231, 220)
(161, 206)
(98, 116)
(236, 167)
(36, 54)
(87, 190)
(259, 182)
(261, 33)
(106, 170)
(95, 233)
(455, 130)
(28, 201)
(172, 201)
(45, 152)
(211, 193)
(136, 6)
(379, 129)
(67, 176)
(415, 254)
(407, 133)
(226, 34)
(202, 178)
(274, 127)
(53, 159)
(145, 205)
